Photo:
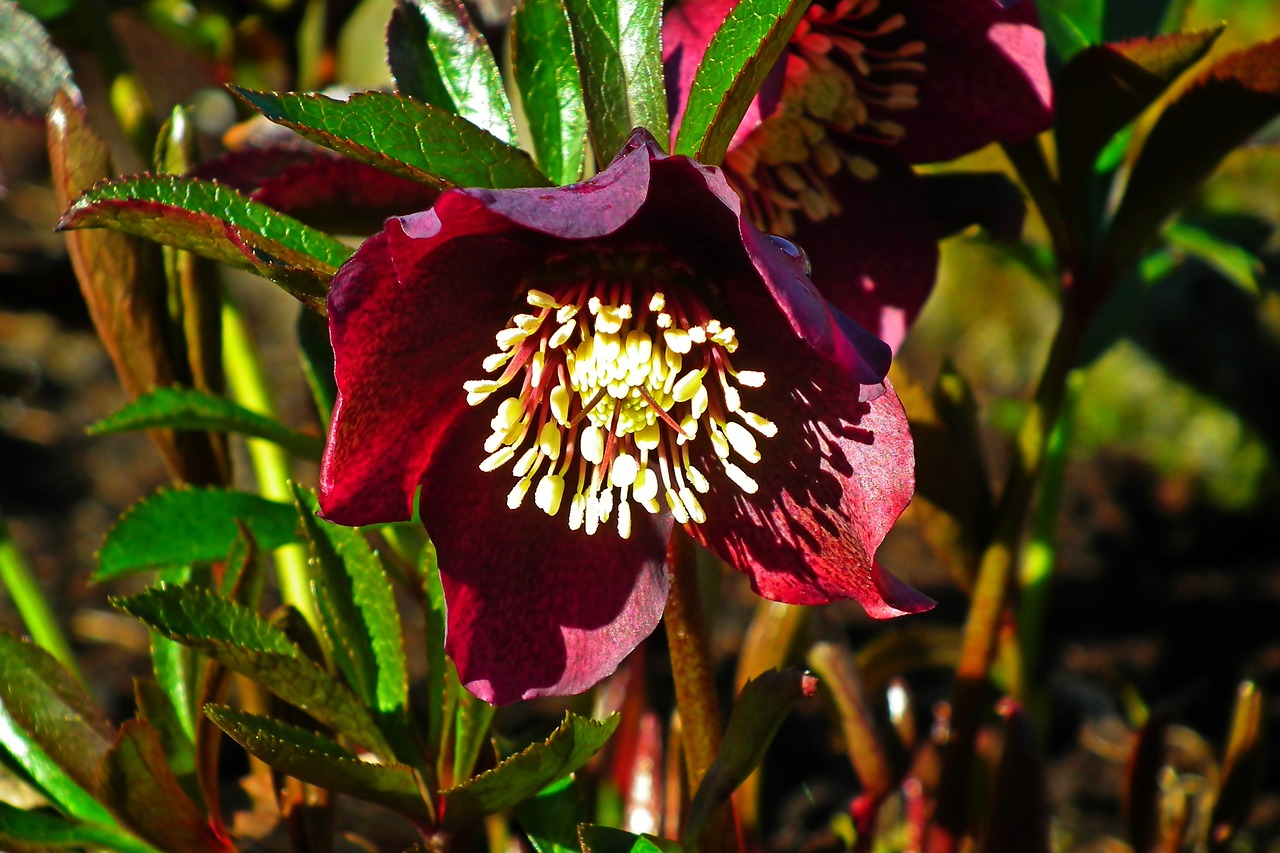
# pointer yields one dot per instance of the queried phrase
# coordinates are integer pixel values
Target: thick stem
(248, 385)
(700, 723)
(994, 582)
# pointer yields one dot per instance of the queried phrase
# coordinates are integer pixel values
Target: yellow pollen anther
(610, 406)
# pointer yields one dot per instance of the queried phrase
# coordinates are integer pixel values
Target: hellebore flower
(657, 360)
(865, 89)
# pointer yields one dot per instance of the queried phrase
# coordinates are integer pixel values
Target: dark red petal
(877, 260)
(832, 482)
(686, 31)
(985, 77)
(410, 320)
(534, 608)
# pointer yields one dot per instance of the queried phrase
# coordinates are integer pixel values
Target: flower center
(850, 68)
(614, 383)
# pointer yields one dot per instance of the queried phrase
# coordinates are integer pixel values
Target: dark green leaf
(189, 409)
(471, 718)
(179, 747)
(352, 584)
(435, 50)
(47, 704)
(1230, 102)
(43, 830)
(740, 56)
(1235, 263)
(1105, 87)
(1071, 25)
(761, 707)
(606, 839)
(552, 818)
(178, 526)
(402, 136)
(242, 641)
(215, 221)
(437, 663)
(135, 780)
(32, 70)
(546, 73)
(317, 362)
(319, 761)
(620, 56)
(524, 774)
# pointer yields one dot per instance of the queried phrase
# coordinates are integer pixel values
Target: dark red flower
(864, 89)
(657, 360)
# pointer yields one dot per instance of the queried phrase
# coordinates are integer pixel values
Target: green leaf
(760, 709)
(620, 56)
(49, 706)
(351, 579)
(402, 136)
(1236, 264)
(439, 57)
(551, 819)
(179, 526)
(471, 719)
(1071, 25)
(317, 362)
(522, 775)
(155, 707)
(189, 409)
(244, 642)
(32, 70)
(319, 761)
(52, 779)
(135, 780)
(546, 74)
(739, 57)
(437, 663)
(1104, 88)
(606, 839)
(217, 222)
(44, 830)
(1225, 106)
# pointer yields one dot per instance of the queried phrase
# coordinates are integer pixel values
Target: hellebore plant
(658, 360)
(865, 89)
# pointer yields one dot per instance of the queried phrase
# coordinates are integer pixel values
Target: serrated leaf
(739, 57)
(435, 50)
(1226, 105)
(1105, 87)
(49, 706)
(181, 526)
(32, 70)
(471, 718)
(551, 819)
(607, 839)
(43, 830)
(319, 761)
(135, 780)
(190, 409)
(402, 136)
(522, 775)
(758, 712)
(244, 642)
(546, 74)
(434, 626)
(351, 577)
(619, 54)
(216, 222)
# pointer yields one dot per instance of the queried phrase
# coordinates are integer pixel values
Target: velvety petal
(877, 260)
(832, 482)
(534, 608)
(687, 29)
(985, 77)
(410, 320)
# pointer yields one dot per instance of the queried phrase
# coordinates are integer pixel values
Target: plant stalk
(24, 590)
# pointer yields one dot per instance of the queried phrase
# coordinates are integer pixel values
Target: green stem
(700, 723)
(33, 607)
(248, 386)
(994, 582)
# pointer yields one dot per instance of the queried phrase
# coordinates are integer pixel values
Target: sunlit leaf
(181, 526)
(42, 831)
(607, 839)
(439, 57)
(189, 409)
(546, 73)
(620, 56)
(403, 136)
(32, 70)
(739, 57)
